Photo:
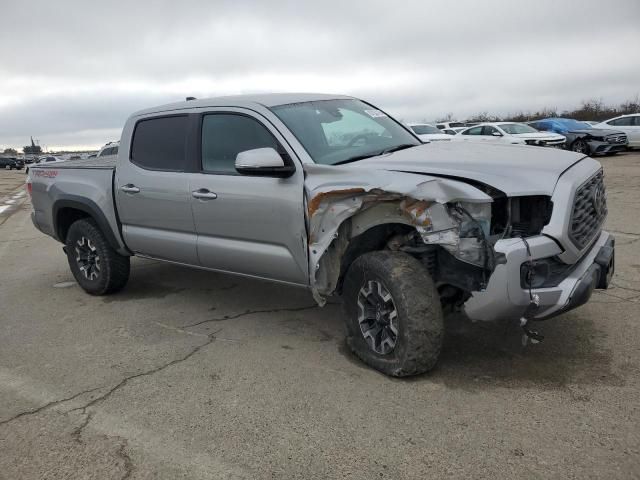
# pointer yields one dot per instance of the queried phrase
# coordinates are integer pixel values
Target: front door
(252, 225)
(152, 191)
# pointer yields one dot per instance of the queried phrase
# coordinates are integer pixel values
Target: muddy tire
(96, 266)
(393, 314)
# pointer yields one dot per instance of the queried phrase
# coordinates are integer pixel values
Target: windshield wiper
(356, 158)
(397, 147)
(382, 152)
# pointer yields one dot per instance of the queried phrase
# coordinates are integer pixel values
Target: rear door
(252, 225)
(152, 190)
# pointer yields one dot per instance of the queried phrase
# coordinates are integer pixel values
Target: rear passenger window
(225, 135)
(160, 143)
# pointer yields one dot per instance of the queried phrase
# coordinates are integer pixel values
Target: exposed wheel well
(373, 239)
(65, 218)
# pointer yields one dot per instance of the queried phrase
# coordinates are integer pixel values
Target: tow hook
(529, 334)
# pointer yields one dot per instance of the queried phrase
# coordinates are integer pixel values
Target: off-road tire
(114, 268)
(420, 323)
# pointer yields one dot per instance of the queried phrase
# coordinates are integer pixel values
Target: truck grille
(616, 138)
(589, 210)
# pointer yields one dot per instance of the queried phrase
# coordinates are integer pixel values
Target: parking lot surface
(191, 374)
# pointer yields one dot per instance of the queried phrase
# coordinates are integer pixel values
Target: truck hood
(515, 170)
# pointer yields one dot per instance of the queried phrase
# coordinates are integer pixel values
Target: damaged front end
(444, 223)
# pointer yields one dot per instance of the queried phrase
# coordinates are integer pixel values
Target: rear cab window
(159, 143)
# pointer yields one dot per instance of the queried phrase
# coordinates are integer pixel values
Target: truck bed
(108, 163)
(84, 185)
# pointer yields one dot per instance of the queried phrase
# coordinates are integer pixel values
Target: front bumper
(603, 148)
(505, 298)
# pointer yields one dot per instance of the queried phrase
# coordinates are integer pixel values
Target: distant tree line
(594, 109)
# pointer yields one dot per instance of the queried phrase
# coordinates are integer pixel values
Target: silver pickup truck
(331, 194)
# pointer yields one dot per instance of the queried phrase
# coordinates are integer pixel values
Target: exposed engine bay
(450, 225)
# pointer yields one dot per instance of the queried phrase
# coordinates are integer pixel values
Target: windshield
(339, 131)
(516, 128)
(574, 124)
(424, 129)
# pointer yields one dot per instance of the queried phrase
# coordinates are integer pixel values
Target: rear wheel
(580, 146)
(96, 266)
(393, 313)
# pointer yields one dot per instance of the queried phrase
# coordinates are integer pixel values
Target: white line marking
(4, 207)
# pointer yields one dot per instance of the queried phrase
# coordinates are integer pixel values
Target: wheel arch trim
(89, 207)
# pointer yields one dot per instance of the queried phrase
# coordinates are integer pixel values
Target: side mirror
(496, 134)
(263, 162)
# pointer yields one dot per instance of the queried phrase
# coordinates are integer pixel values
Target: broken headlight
(474, 217)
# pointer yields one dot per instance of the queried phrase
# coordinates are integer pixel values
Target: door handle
(129, 188)
(204, 194)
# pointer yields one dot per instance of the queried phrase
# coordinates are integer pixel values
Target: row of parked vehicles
(591, 138)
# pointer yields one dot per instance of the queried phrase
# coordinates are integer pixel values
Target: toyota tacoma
(332, 194)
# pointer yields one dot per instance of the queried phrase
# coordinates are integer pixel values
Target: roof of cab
(265, 100)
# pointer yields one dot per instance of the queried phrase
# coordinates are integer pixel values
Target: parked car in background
(453, 131)
(510, 133)
(44, 160)
(429, 133)
(109, 149)
(629, 124)
(583, 138)
(450, 125)
(11, 163)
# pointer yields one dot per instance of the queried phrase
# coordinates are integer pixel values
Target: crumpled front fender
(335, 194)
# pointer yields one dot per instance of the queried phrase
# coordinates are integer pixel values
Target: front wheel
(96, 266)
(393, 314)
(580, 146)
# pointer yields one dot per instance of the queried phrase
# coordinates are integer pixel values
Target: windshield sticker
(375, 113)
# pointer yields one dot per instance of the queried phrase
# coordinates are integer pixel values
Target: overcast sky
(71, 72)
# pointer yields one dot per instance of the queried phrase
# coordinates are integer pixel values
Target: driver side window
(224, 135)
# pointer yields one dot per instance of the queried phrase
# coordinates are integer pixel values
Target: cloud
(71, 68)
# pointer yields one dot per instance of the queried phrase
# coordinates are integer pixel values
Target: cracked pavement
(191, 374)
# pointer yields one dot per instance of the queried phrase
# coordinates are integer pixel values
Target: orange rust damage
(314, 204)
(416, 210)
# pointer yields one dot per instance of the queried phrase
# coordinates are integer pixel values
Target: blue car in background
(583, 138)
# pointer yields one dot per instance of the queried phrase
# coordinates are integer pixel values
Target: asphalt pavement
(191, 374)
